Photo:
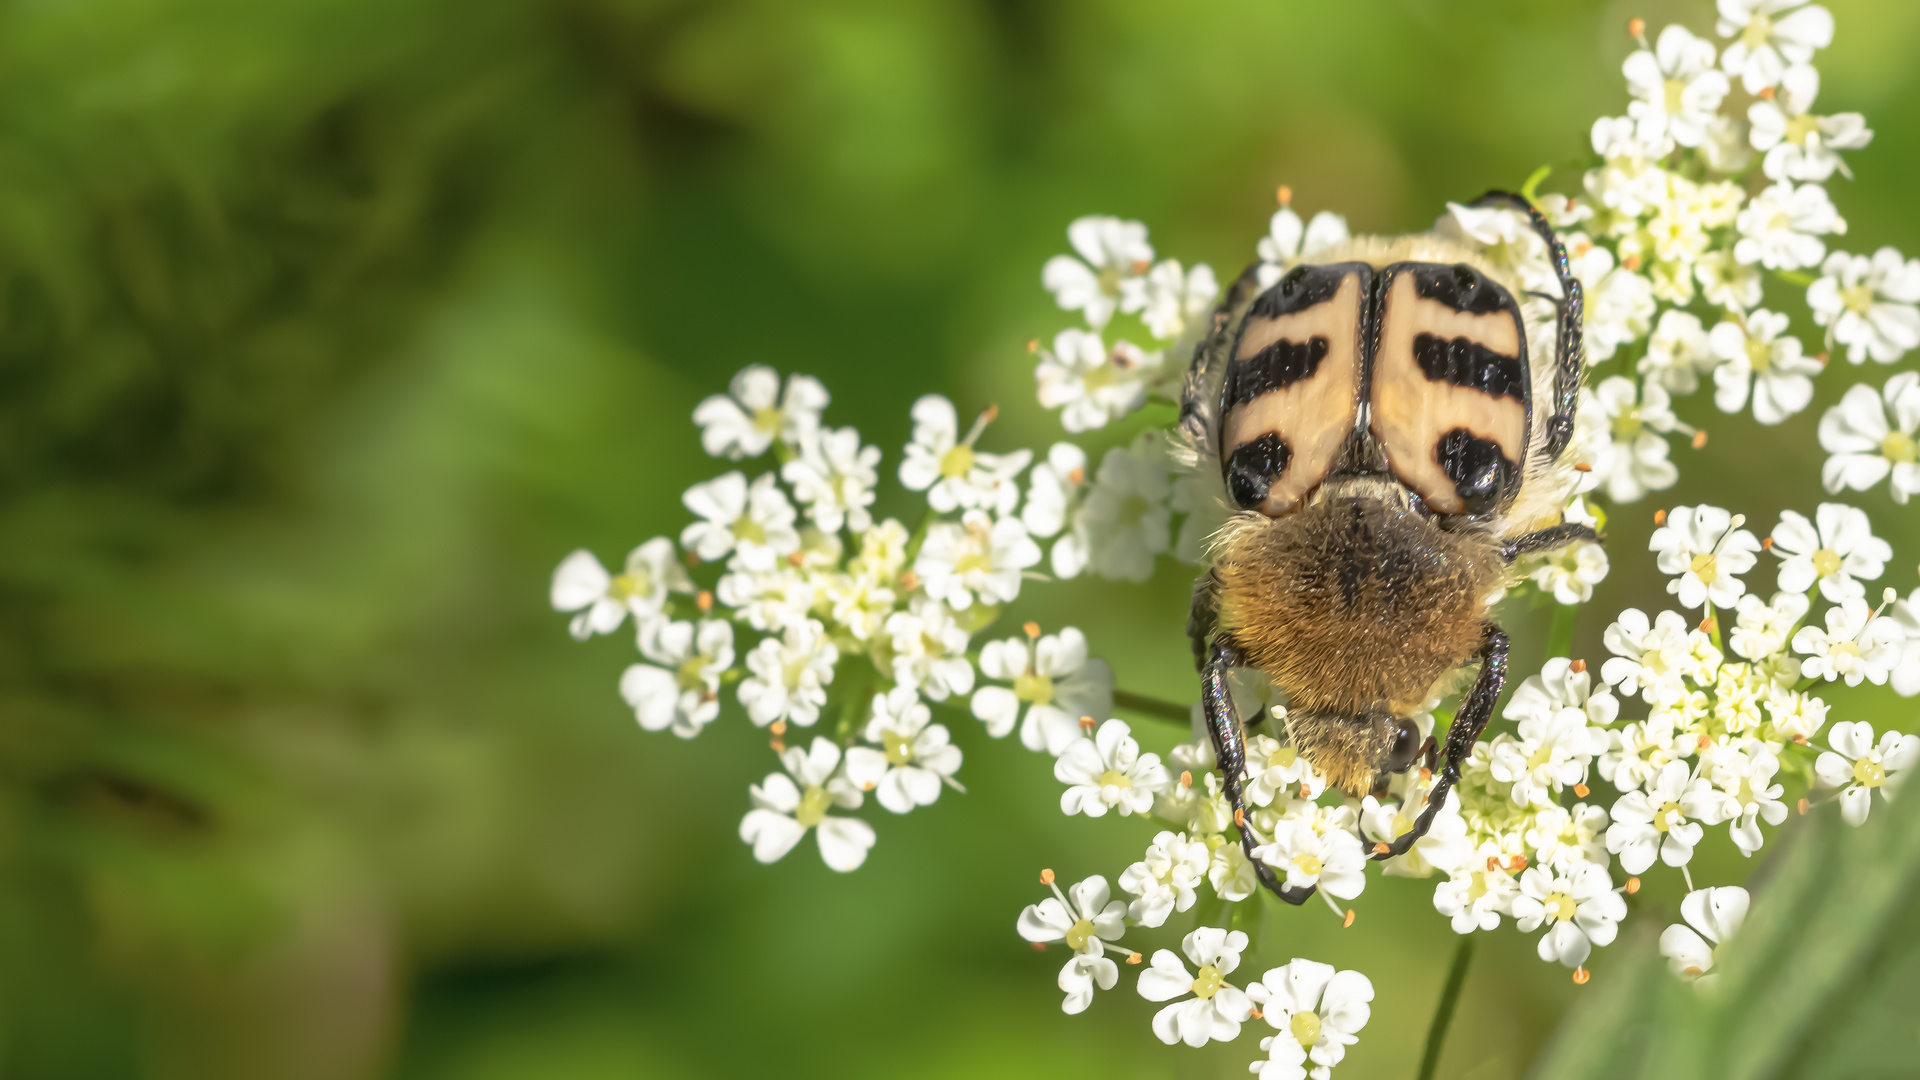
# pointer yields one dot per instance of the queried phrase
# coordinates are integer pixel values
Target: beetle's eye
(1406, 746)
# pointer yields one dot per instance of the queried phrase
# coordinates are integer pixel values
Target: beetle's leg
(1461, 735)
(1569, 347)
(1230, 750)
(1202, 616)
(1548, 539)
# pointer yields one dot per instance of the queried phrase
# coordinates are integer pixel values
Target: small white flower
(1795, 715)
(1444, 847)
(1708, 549)
(1080, 975)
(604, 601)
(930, 650)
(682, 694)
(1650, 659)
(1579, 909)
(1126, 519)
(947, 467)
(1506, 241)
(1799, 145)
(1083, 917)
(1728, 283)
(790, 675)
(1869, 303)
(744, 424)
(1318, 1013)
(1090, 384)
(1748, 795)
(1333, 860)
(1676, 88)
(976, 558)
(1840, 554)
(1053, 489)
(1865, 447)
(1109, 772)
(1662, 822)
(1677, 352)
(1620, 303)
(1781, 228)
(1168, 298)
(1570, 573)
(1217, 1007)
(1763, 627)
(1114, 251)
(1055, 682)
(1164, 881)
(833, 478)
(1563, 838)
(771, 601)
(1232, 874)
(1481, 890)
(1766, 41)
(1288, 241)
(1715, 915)
(754, 523)
(1631, 179)
(1620, 436)
(1854, 646)
(783, 810)
(1638, 752)
(1858, 766)
(1276, 770)
(1755, 357)
(1905, 677)
(916, 757)
(1556, 743)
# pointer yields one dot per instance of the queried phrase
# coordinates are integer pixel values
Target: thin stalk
(1560, 634)
(1154, 707)
(1443, 1012)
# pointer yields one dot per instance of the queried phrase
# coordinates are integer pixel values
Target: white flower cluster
(1594, 775)
(859, 623)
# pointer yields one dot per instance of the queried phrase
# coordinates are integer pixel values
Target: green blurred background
(328, 326)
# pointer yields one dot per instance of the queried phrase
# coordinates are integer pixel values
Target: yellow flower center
(1676, 89)
(973, 561)
(1858, 298)
(1759, 354)
(1309, 865)
(1115, 778)
(1282, 758)
(813, 806)
(1208, 982)
(1826, 562)
(1101, 377)
(767, 420)
(1663, 820)
(1078, 933)
(957, 461)
(1705, 567)
(1627, 426)
(630, 584)
(1560, 906)
(1034, 688)
(1477, 886)
(692, 673)
(1401, 826)
(1132, 509)
(899, 748)
(1306, 1028)
(1757, 32)
(748, 531)
(1843, 654)
(1869, 772)
(1900, 448)
(1802, 126)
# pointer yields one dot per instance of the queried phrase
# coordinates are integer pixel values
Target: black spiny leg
(1569, 346)
(1558, 536)
(1461, 735)
(1202, 616)
(1230, 750)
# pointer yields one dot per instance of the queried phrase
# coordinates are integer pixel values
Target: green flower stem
(1154, 707)
(855, 681)
(1443, 1012)
(1713, 620)
(919, 537)
(1560, 634)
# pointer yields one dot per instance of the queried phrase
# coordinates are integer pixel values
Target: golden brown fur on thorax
(1355, 605)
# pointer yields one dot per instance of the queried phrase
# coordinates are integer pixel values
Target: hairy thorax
(1356, 605)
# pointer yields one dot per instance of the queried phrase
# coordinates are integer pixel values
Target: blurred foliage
(328, 326)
